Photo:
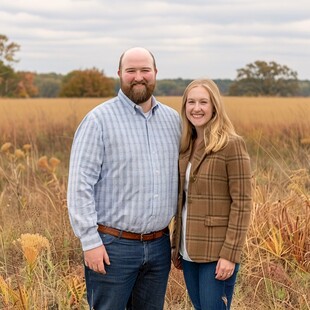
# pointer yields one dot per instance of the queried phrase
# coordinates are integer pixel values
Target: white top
(183, 251)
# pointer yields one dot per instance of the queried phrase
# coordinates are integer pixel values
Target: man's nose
(138, 76)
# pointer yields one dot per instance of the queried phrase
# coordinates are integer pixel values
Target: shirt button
(156, 195)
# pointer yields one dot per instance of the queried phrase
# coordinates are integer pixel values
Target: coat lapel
(198, 158)
(196, 161)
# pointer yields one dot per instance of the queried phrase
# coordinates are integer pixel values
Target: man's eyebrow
(138, 68)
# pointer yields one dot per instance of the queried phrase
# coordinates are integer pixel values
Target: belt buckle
(141, 237)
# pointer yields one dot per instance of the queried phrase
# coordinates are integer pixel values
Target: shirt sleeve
(84, 172)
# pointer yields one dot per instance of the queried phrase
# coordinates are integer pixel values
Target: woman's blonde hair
(218, 130)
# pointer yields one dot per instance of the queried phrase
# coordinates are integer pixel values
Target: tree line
(259, 78)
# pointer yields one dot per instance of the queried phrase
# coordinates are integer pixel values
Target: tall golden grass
(40, 259)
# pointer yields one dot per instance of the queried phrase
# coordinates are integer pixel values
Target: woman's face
(198, 107)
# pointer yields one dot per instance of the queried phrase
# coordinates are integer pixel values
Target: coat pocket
(216, 220)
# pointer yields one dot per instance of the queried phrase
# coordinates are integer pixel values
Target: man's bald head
(136, 51)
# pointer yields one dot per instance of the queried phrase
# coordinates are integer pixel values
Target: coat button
(193, 179)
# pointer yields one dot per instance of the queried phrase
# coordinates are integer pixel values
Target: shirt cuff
(92, 242)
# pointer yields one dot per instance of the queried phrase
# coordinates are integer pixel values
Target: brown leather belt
(132, 236)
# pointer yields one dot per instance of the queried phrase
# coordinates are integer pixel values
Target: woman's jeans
(138, 273)
(206, 292)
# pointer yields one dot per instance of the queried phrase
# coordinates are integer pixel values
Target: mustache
(138, 83)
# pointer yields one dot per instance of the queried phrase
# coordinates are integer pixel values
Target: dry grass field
(40, 259)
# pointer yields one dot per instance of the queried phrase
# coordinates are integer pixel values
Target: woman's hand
(224, 269)
(176, 259)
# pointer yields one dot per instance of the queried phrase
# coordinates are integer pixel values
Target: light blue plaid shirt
(123, 169)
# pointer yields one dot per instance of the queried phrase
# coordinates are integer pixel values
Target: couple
(125, 186)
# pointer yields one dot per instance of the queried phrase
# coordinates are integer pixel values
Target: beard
(138, 95)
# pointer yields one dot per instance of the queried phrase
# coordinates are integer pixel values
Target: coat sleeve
(240, 189)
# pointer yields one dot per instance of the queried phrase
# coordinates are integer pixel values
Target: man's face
(137, 75)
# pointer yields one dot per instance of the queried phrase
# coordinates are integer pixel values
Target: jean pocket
(106, 238)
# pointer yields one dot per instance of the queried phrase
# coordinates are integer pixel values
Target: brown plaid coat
(219, 203)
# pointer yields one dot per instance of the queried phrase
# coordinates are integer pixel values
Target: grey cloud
(189, 38)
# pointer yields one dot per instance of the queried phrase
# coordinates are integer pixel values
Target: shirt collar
(133, 106)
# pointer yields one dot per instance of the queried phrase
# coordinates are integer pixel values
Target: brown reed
(35, 139)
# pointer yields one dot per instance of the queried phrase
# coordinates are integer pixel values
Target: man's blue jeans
(139, 270)
(206, 292)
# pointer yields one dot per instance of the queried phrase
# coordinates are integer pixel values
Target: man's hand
(96, 258)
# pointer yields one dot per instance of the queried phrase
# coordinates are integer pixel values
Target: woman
(214, 198)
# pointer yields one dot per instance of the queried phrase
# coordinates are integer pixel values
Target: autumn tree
(8, 49)
(7, 78)
(13, 84)
(48, 84)
(25, 87)
(16, 84)
(265, 79)
(87, 83)
(7, 56)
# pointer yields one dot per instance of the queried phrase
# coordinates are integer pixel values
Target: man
(122, 190)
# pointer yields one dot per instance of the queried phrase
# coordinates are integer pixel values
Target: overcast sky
(190, 38)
